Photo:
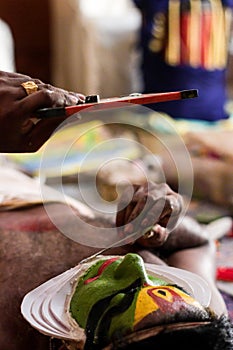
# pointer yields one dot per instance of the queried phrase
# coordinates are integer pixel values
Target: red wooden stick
(117, 102)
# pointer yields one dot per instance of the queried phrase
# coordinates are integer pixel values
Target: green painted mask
(116, 296)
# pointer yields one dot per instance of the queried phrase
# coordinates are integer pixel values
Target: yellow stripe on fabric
(194, 34)
(227, 25)
(174, 45)
(218, 48)
(220, 36)
(209, 50)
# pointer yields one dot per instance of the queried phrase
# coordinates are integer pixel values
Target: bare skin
(18, 133)
(201, 261)
(152, 206)
(186, 247)
(33, 251)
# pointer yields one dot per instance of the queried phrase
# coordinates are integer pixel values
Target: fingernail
(74, 100)
(26, 126)
(128, 229)
(159, 229)
(144, 222)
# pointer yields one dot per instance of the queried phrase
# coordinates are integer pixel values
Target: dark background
(30, 24)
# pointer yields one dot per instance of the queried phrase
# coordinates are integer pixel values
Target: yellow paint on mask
(146, 304)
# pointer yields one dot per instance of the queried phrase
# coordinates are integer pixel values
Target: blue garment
(172, 59)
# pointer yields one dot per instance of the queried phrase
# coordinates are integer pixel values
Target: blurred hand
(18, 132)
(150, 208)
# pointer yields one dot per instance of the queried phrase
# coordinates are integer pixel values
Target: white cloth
(7, 56)
(18, 190)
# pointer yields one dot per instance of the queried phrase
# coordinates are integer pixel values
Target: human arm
(201, 261)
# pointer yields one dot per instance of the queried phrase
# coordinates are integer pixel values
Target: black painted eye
(162, 292)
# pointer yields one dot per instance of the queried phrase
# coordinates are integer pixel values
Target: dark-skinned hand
(152, 209)
(18, 130)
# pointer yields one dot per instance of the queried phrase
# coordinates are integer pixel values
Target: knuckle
(47, 96)
(2, 80)
(46, 86)
(38, 81)
(3, 83)
(165, 187)
(51, 96)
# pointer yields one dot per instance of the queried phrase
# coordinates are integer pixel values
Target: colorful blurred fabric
(76, 149)
(185, 46)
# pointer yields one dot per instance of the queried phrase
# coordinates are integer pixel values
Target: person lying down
(119, 301)
(33, 250)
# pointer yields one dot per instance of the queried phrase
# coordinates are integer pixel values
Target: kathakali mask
(111, 297)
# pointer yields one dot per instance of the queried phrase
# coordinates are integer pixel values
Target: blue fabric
(160, 76)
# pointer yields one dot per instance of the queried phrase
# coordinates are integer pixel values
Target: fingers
(40, 133)
(11, 90)
(26, 126)
(125, 205)
(154, 238)
(61, 97)
(18, 130)
(57, 96)
(172, 212)
(149, 205)
(154, 212)
(15, 81)
(13, 75)
(40, 99)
